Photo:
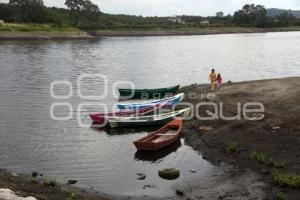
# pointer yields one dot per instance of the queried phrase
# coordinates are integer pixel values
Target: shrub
(232, 147)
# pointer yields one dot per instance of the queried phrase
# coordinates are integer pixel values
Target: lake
(104, 159)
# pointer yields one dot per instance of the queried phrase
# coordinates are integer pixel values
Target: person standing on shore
(212, 78)
(219, 80)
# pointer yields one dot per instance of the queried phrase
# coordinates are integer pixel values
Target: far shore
(92, 34)
(191, 31)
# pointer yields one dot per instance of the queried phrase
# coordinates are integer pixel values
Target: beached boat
(145, 120)
(147, 93)
(161, 138)
(170, 101)
(101, 118)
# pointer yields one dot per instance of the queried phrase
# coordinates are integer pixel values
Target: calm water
(106, 159)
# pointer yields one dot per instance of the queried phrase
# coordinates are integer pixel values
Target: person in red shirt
(219, 80)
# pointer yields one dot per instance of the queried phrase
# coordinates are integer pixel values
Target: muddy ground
(43, 188)
(275, 139)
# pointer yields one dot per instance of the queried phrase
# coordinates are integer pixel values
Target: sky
(178, 7)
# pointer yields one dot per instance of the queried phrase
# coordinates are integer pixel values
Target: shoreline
(182, 32)
(41, 187)
(228, 145)
(269, 147)
(80, 34)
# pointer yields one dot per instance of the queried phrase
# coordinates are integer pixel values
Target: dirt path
(269, 147)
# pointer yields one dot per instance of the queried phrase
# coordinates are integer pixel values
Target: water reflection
(123, 131)
(106, 159)
(157, 155)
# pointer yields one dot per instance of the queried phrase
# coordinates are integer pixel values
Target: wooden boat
(145, 120)
(102, 117)
(170, 101)
(147, 93)
(161, 138)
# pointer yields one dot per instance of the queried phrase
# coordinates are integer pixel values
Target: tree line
(84, 14)
(80, 13)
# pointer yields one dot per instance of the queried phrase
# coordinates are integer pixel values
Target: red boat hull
(101, 118)
(161, 138)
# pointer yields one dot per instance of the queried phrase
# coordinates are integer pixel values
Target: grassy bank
(40, 31)
(46, 31)
(270, 147)
(10, 27)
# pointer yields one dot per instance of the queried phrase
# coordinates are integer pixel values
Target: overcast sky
(178, 7)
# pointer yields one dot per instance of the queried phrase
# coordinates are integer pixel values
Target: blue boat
(153, 103)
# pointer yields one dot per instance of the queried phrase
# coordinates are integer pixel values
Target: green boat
(157, 93)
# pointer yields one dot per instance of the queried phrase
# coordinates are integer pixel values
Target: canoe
(170, 101)
(161, 138)
(150, 120)
(147, 93)
(101, 118)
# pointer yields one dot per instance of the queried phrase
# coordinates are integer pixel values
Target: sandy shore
(15, 35)
(275, 139)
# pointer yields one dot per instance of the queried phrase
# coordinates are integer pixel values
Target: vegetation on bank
(11, 27)
(84, 14)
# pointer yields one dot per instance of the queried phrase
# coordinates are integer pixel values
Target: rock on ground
(8, 194)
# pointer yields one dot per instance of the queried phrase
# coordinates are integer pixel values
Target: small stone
(180, 192)
(34, 174)
(206, 128)
(193, 171)
(71, 182)
(141, 176)
(264, 171)
(148, 186)
(169, 173)
(14, 174)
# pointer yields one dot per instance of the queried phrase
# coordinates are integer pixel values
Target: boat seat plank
(161, 139)
(164, 136)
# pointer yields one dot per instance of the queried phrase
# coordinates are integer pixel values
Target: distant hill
(272, 12)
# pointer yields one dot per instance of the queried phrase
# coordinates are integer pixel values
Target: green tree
(251, 15)
(27, 10)
(286, 18)
(84, 12)
(4, 12)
